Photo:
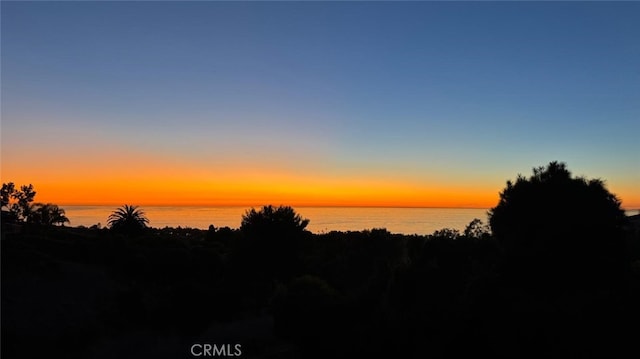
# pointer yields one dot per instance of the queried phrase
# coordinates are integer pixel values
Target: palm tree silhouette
(128, 219)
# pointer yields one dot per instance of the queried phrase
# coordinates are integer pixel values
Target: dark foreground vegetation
(558, 276)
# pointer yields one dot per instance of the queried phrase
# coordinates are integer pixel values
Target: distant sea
(322, 219)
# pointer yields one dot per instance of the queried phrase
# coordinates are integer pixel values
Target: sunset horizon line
(267, 204)
(200, 205)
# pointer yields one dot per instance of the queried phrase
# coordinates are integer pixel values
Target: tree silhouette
(17, 201)
(476, 229)
(272, 238)
(6, 194)
(128, 219)
(271, 220)
(554, 216)
(47, 214)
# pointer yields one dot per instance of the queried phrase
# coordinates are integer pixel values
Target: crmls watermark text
(216, 350)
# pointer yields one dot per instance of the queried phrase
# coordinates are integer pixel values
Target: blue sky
(434, 94)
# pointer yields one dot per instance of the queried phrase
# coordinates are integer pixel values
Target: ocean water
(322, 219)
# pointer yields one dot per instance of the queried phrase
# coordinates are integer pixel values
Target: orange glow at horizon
(147, 180)
(120, 175)
(226, 192)
(245, 188)
(109, 194)
(256, 191)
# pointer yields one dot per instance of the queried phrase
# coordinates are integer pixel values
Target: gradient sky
(323, 103)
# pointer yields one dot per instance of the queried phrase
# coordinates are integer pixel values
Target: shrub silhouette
(558, 218)
(128, 219)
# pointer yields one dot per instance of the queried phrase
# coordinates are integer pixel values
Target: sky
(418, 104)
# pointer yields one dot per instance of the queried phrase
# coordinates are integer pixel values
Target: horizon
(321, 219)
(315, 104)
(258, 206)
(628, 211)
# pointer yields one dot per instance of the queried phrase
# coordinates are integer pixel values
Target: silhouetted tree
(17, 201)
(6, 194)
(280, 220)
(476, 229)
(128, 219)
(272, 237)
(47, 214)
(8, 216)
(556, 217)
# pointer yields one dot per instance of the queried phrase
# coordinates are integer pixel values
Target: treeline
(561, 287)
(16, 205)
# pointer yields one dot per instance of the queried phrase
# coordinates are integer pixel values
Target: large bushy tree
(270, 220)
(272, 238)
(552, 214)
